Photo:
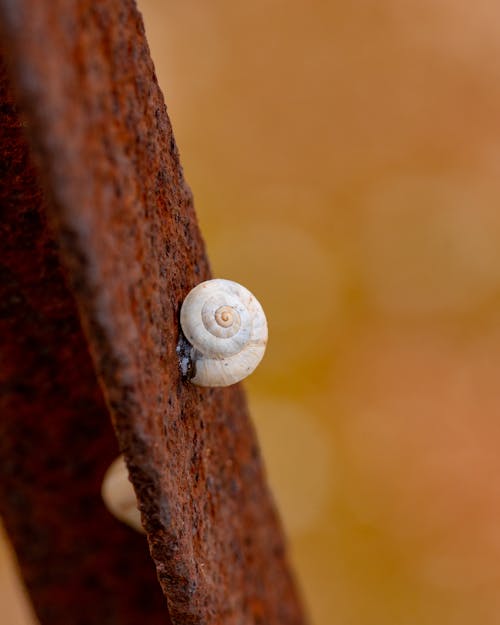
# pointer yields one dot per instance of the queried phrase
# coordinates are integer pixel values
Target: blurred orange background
(345, 160)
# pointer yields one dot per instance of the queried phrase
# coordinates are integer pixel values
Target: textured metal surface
(56, 439)
(124, 219)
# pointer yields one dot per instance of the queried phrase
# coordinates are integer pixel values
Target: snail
(227, 332)
(119, 496)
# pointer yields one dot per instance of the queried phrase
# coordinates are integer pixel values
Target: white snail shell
(227, 328)
(119, 496)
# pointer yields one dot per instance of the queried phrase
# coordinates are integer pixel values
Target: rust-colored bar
(124, 220)
(79, 564)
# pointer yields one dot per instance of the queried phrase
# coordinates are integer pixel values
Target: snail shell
(119, 496)
(227, 329)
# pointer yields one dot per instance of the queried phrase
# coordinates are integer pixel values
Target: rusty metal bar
(56, 438)
(123, 219)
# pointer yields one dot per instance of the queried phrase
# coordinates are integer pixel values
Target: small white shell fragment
(119, 496)
(227, 328)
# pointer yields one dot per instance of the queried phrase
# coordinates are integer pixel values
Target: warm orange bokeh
(344, 158)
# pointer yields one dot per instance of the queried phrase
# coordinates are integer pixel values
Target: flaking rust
(129, 245)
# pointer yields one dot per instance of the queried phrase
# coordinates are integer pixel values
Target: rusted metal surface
(80, 565)
(124, 220)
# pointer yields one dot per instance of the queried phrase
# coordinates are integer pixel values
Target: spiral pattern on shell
(227, 328)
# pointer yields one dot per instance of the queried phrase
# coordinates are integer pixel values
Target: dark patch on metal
(187, 364)
(124, 221)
